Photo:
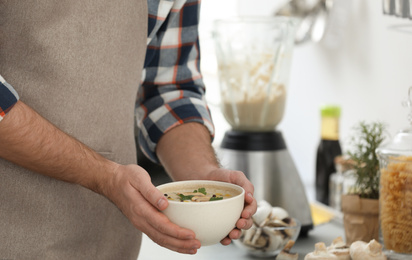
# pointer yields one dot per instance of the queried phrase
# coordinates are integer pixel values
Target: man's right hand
(134, 194)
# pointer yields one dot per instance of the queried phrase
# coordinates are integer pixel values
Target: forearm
(27, 139)
(186, 152)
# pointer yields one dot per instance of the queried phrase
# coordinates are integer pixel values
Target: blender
(254, 56)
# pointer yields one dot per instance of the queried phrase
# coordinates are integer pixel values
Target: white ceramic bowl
(211, 220)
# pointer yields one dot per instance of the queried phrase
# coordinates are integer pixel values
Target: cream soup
(200, 194)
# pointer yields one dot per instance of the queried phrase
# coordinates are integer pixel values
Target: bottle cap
(330, 111)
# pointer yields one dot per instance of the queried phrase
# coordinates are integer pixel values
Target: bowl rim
(234, 186)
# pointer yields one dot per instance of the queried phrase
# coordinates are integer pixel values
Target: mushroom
(254, 238)
(361, 250)
(262, 213)
(200, 198)
(290, 222)
(261, 242)
(275, 238)
(264, 236)
(340, 249)
(279, 213)
(320, 253)
(285, 254)
(275, 223)
(248, 234)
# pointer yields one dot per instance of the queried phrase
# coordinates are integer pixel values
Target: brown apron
(78, 63)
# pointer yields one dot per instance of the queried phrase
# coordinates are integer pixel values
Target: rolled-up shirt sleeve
(8, 97)
(172, 90)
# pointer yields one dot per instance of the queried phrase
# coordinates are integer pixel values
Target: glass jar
(341, 181)
(395, 159)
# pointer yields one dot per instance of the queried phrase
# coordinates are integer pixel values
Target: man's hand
(133, 193)
(237, 177)
(187, 154)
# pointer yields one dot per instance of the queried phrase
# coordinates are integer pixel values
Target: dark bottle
(328, 149)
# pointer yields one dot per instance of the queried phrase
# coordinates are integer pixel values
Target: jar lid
(401, 144)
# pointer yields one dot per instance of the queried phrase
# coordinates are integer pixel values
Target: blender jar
(395, 161)
(254, 56)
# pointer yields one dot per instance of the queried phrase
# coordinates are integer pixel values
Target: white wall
(368, 72)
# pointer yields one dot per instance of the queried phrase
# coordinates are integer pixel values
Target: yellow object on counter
(321, 214)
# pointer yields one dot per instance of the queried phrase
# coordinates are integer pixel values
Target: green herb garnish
(183, 197)
(215, 198)
(201, 190)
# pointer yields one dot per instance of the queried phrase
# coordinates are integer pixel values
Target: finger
(159, 228)
(150, 192)
(235, 234)
(226, 241)
(158, 221)
(164, 226)
(188, 246)
(244, 223)
(235, 177)
(181, 246)
(249, 198)
(239, 178)
(250, 208)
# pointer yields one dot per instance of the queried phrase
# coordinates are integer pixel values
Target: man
(67, 138)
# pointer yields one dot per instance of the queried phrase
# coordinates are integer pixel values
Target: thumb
(161, 202)
(154, 196)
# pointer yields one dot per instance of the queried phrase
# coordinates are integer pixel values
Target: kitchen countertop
(322, 233)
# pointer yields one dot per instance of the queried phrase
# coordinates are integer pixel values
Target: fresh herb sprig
(367, 138)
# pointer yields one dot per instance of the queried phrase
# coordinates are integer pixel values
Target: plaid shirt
(172, 91)
(8, 97)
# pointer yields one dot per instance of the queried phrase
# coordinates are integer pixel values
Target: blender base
(264, 159)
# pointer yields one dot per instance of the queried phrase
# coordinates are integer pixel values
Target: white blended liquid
(252, 100)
